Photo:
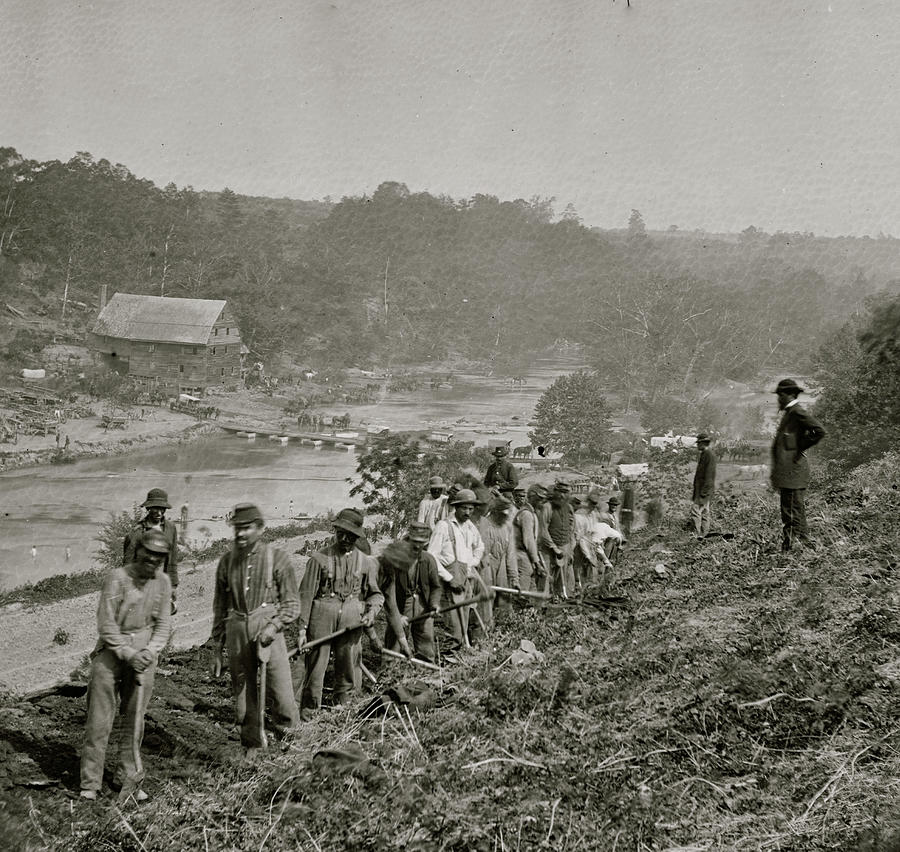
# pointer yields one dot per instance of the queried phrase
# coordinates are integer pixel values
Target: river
(49, 511)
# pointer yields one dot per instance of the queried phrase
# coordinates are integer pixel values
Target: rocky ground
(735, 699)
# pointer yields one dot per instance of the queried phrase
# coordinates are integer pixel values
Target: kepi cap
(245, 513)
(419, 532)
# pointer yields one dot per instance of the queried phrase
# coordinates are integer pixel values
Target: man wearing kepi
(255, 598)
(134, 623)
(501, 473)
(796, 433)
(339, 590)
(457, 547)
(704, 485)
(156, 504)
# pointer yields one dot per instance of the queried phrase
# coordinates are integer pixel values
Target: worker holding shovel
(134, 622)
(255, 598)
(339, 591)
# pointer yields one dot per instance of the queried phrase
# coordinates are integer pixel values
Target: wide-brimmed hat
(436, 482)
(613, 501)
(788, 386)
(158, 498)
(155, 542)
(349, 520)
(594, 496)
(703, 438)
(419, 532)
(245, 513)
(464, 495)
(398, 554)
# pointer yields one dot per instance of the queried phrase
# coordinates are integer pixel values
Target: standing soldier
(457, 547)
(498, 564)
(434, 507)
(611, 546)
(156, 504)
(255, 599)
(339, 590)
(417, 590)
(704, 485)
(797, 432)
(526, 534)
(134, 623)
(501, 473)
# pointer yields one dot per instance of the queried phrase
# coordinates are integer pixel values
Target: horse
(523, 452)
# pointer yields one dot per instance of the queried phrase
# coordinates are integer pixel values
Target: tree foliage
(393, 475)
(572, 417)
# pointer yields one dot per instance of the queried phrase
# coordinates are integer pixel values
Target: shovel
(444, 609)
(525, 594)
(263, 652)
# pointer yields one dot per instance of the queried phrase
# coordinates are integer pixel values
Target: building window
(151, 347)
(227, 331)
(181, 368)
(233, 370)
(223, 371)
(216, 332)
(214, 350)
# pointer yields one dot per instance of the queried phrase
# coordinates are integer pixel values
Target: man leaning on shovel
(134, 622)
(255, 598)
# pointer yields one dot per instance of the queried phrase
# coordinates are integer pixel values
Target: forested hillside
(401, 277)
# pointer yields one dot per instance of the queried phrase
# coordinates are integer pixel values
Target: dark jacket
(427, 584)
(797, 432)
(705, 475)
(170, 531)
(502, 474)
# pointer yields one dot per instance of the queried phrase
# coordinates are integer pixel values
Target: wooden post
(627, 512)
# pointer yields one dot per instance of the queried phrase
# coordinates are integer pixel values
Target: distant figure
(434, 507)
(156, 504)
(704, 485)
(796, 433)
(67, 442)
(33, 553)
(68, 553)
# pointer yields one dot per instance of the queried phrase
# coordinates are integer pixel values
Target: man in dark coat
(704, 485)
(796, 433)
(501, 473)
(156, 504)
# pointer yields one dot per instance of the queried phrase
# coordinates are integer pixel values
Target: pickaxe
(503, 590)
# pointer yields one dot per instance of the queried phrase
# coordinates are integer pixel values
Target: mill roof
(156, 318)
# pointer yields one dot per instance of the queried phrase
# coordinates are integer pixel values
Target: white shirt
(455, 542)
(431, 511)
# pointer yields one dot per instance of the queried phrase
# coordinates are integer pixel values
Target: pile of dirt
(739, 699)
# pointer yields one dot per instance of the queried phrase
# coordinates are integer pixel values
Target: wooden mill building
(171, 345)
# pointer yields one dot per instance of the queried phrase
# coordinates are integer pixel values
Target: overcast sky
(713, 114)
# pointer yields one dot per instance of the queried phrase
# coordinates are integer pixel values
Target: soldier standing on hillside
(559, 543)
(526, 533)
(255, 599)
(134, 623)
(501, 473)
(156, 504)
(796, 433)
(704, 485)
(339, 590)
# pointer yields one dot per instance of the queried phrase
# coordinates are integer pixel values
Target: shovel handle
(505, 591)
(396, 654)
(441, 610)
(323, 639)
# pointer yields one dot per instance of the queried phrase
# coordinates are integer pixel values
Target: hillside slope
(738, 700)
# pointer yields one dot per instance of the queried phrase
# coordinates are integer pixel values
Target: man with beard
(559, 542)
(156, 504)
(501, 473)
(457, 548)
(417, 590)
(339, 590)
(526, 534)
(796, 433)
(434, 507)
(134, 623)
(255, 599)
(498, 564)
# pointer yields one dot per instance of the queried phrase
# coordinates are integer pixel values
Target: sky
(712, 114)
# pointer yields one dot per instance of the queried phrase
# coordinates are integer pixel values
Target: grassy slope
(745, 701)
